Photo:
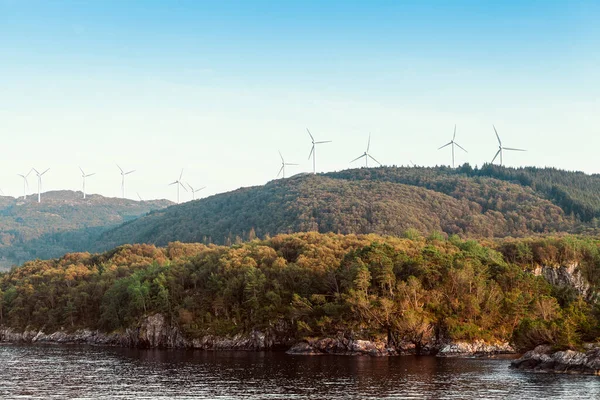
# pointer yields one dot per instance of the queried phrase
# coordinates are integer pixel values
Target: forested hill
(418, 290)
(63, 222)
(488, 202)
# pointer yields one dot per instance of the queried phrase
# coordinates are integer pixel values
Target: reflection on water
(60, 372)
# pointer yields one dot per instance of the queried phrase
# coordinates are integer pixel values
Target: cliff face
(568, 276)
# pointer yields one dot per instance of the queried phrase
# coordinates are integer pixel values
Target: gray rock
(541, 359)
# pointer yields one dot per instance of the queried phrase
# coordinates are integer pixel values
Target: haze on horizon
(218, 88)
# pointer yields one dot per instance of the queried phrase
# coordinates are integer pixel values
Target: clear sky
(219, 87)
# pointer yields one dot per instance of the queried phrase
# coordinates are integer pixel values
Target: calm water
(69, 372)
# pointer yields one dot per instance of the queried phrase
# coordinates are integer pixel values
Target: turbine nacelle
(366, 155)
(453, 143)
(313, 150)
(501, 148)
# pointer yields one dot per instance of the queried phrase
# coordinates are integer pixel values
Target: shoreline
(153, 332)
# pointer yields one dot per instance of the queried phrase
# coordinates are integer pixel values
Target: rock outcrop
(567, 276)
(542, 359)
(345, 346)
(152, 332)
(342, 346)
(477, 348)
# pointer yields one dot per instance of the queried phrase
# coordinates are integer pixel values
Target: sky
(218, 88)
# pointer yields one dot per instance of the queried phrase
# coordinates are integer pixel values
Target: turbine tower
(25, 184)
(179, 184)
(283, 164)
(194, 190)
(453, 143)
(366, 155)
(39, 176)
(313, 150)
(501, 148)
(83, 176)
(123, 173)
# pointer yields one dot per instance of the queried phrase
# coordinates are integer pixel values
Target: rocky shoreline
(155, 332)
(543, 359)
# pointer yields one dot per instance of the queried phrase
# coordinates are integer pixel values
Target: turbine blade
(180, 175)
(287, 163)
(184, 188)
(372, 158)
(510, 148)
(197, 190)
(281, 156)
(132, 171)
(82, 173)
(326, 141)
(454, 137)
(311, 136)
(462, 148)
(499, 141)
(369, 142)
(120, 168)
(190, 186)
(447, 144)
(494, 159)
(173, 183)
(93, 173)
(311, 151)
(279, 173)
(47, 169)
(358, 158)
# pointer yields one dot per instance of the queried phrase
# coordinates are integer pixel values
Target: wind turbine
(194, 190)
(178, 183)
(283, 164)
(313, 152)
(123, 173)
(83, 176)
(501, 148)
(25, 184)
(39, 176)
(453, 143)
(366, 155)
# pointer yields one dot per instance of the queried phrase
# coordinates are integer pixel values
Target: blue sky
(217, 88)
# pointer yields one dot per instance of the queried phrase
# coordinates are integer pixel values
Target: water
(80, 372)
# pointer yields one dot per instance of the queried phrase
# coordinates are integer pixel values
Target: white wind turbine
(123, 173)
(283, 164)
(501, 148)
(39, 176)
(366, 155)
(453, 143)
(313, 152)
(179, 184)
(83, 176)
(25, 184)
(194, 190)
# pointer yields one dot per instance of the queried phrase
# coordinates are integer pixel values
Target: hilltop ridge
(490, 201)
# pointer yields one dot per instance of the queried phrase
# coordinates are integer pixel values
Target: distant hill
(488, 202)
(63, 222)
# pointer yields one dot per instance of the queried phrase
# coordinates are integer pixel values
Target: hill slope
(61, 223)
(386, 200)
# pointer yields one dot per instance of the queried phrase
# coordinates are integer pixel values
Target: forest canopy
(311, 284)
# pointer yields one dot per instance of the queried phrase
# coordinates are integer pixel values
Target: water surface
(81, 372)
